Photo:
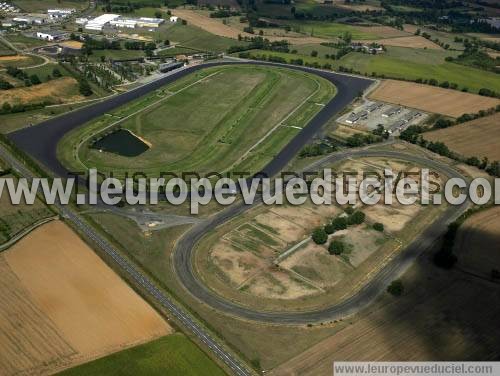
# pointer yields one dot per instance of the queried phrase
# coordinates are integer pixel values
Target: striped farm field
(432, 99)
(477, 138)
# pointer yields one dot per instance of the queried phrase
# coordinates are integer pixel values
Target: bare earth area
(383, 31)
(410, 42)
(71, 306)
(215, 26)
(63, 89)
(479, 138)
(477, 242)
(431, 99)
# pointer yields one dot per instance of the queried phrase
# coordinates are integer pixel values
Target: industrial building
(354, 117)
(60, 13)
(149, 22)
(124, 23)
(167, 67)
(8, 8)
(392, 111)
(51, 35)
(98, 23)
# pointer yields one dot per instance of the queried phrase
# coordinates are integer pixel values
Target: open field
(225, 125)
(170, 356)
(442, 316)
(478, 138)
(23, 42)
(19, 61)
(432, 99)
(266, 258)
(59, 90)
(215, 26)
(476, 244)
(91, 311)
(405, 63)
(409, 42)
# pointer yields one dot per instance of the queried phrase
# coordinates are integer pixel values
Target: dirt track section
(81, 308)
(432, 99)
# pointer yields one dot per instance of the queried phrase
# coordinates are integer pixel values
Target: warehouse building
(51, 36)
(149, 22)
(98, 23)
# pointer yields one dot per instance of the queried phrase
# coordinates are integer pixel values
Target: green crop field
(168, 356)
(406, 63)
(330, 30)
(214, 119)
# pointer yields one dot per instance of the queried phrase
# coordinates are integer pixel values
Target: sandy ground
(72, 44)
(215, 26)
(54, 89)
(477, 242)
(92, 309)
(431, 99)
(479, 137)
(10, 58)
(410, 42)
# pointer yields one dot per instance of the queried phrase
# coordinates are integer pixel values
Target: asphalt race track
(40, 141)
(186, 246)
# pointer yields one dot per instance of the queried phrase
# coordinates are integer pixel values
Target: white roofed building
(149, 22)
(98, 23)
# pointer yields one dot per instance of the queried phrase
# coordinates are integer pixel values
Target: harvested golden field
(410, 42)
(441, 316)
(383, 31)
(431, 99)
(479, 138)
(62, 90)
(89, 310)
(477, 242)
(215, 26)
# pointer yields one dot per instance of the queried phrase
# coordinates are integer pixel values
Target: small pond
(121, 142)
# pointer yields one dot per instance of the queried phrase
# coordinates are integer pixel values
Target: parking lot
(394, 118)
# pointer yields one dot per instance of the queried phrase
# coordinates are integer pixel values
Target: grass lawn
(21, 62)
(216, 116)
(171, 355)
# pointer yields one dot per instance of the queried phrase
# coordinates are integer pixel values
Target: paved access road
(186, 246)
(40, 141)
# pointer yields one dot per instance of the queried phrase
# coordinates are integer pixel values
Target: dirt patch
(479, 138)
(93, 310)
(410, 42)
(431, 99)
(62, 90)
